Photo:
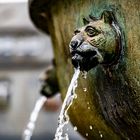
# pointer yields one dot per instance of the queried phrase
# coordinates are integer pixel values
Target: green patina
(113, 94)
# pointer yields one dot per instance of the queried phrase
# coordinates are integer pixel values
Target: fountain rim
(36, 8)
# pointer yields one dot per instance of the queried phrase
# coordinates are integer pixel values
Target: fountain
(111, 104)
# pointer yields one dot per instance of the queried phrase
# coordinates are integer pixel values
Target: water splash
(101, 135)
(88, 108)
(86, 134)
(75, 128)
(90, 127)
(31, 125)
(63, 117)
(85, 89)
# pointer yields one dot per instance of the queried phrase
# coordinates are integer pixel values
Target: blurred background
(24, 54)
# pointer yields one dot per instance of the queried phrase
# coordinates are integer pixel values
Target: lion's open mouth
(84, 54)
(85, 60)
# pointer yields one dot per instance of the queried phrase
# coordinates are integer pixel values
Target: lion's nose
(74, 44)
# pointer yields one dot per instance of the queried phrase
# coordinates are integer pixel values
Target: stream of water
(63, 117)
(31, 125)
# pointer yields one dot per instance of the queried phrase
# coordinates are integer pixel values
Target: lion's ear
(86, 21)
(108, 17)
(92, 18)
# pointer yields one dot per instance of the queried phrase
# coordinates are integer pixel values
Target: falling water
(63, 117)
(84, 74)
(31, 125)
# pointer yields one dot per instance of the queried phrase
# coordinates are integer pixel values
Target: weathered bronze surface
(111, 105)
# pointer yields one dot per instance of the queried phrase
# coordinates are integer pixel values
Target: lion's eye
(91, 31)
(76, 32)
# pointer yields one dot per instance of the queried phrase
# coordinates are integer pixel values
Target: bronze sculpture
(111, 103)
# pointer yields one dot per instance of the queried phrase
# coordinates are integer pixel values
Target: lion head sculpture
(97, 42)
